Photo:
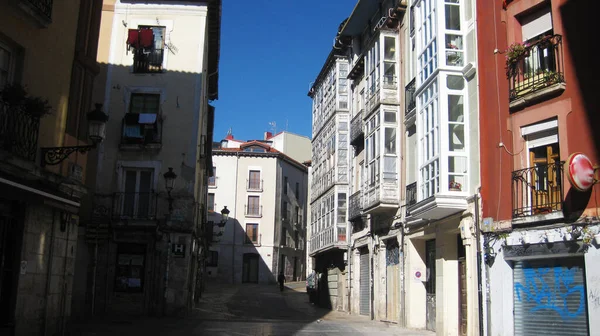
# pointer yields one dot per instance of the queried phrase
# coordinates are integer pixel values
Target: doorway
(250, 268)
(430, 284)
(10, 247)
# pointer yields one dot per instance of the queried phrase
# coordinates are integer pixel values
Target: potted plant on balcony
(454, 186)
(514, 54)
(16, 96)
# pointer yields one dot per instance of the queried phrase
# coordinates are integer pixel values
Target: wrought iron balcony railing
(41, 8)
(19, 131)
(254, 185)
(356, 128)
(537, 190)
(409, 97)
(540, 65)
(411, 195)
(136, 132)
(355, 206)
(253, 211)
(148, 61)
(135, 205)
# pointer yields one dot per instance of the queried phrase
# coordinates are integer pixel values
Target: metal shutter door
(364, 284)
(550, 297)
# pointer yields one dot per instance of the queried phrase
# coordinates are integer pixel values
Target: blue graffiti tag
(536, 289)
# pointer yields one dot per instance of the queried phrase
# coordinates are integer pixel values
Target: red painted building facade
(538, 105)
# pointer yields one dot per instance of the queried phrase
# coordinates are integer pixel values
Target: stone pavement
(247, 309)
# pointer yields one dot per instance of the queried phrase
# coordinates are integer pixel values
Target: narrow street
(247, 310)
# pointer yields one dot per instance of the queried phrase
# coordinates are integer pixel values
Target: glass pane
(455, 108)
(129, 195)
(457, 138)
(452, 17)
(389, 76)
(455, 82)
(390, 140)
(144, 199)
(457, 183)
(210, 202)
(389, 117)
(390, 48)
(457, 164)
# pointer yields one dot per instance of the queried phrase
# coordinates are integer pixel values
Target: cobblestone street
(247, 310)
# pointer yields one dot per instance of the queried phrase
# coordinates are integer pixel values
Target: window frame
(124, 249)
(255, 228)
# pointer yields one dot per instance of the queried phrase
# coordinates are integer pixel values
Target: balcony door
(545, 179)
(137, 193)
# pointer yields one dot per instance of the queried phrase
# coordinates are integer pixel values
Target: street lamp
(224, 218)
(96, 132)
(170, 177)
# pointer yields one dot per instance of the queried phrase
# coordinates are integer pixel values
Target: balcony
(355, 206)
(148, 61)
(538, 191)
(19, 131)
(135, 205)
(356, 128)
(332, 237)
(254, 185)
(537, 74)
(253, 211)
(40, 10)
(410, 99)
(141, 131)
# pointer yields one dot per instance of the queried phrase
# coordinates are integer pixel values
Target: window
(283, 239)
(254, 180)
(210, 202)
(541, 58)
(252, 233)
(389, 67)
(141, 124)
(7, 60)
(297, 192)
(129, 273)
(255, 149)
(212, 259)
(454, 38)
(297, 215)
(285, 185)
(427, 51)
(253, 208)
(149, 45)
(212, 180)
(137, 196)
(428, 132)
(284, 211)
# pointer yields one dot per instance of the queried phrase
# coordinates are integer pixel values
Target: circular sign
(417, 274)
(580, 171)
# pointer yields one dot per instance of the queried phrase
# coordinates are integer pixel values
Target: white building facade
(144, 235)
(265, 192)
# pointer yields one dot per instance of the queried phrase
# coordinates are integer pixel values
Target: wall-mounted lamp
(224, 218)
(170, 177)
(96, 132)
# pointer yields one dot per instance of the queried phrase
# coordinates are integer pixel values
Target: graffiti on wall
(552, 288)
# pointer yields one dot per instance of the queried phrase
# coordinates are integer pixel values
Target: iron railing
(41, 7)
(19, 131)
(355, 206)
(356, 127)
(148, 61)
(541, 65)
(537, 190)
(135, 205)
(254, 185)
(411, 196)
(136, 133)
(253, 211)
(409, 97)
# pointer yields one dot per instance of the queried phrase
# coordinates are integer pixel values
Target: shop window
(129, 274)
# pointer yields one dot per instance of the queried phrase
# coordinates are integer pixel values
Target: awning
(15, 190)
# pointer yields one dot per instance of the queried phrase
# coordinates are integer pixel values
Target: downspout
(65, 282)
(95, 272)
(237, 163)
(479, 265)
(402, 279)
(48, 272)
(349, 258)
(167, 274)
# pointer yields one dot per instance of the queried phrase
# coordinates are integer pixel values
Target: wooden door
(545, 179)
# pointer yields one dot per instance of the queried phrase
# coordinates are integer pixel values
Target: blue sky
(271, 51)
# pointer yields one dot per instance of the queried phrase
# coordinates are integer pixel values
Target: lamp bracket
(55, 155)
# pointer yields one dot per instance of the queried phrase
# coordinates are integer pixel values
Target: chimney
(268, 135)
(229, 136)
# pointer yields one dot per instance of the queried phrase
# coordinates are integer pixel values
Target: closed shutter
(550, 297)
(364, 283)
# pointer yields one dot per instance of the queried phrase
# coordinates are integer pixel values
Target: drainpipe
(94, 277)
(167, 274)
(479, 284)
(65, 283)
(402, 280)
(48, 271)
(237, 163)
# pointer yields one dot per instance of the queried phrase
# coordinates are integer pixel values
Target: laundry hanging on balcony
(147, 118)
(140, 39)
